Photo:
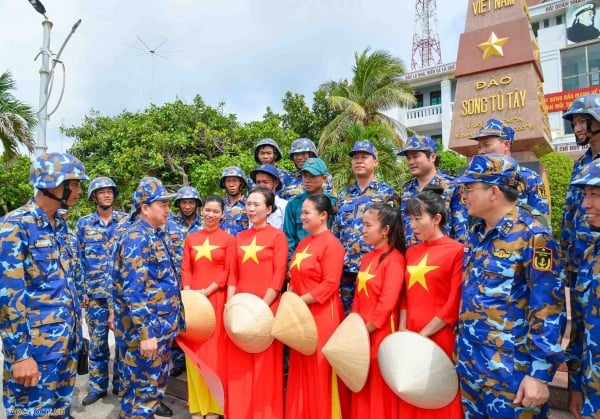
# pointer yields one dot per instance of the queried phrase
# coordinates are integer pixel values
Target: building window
(535, 27)
(580, 66)
(419, 102)
(559, 20)
(546, 23)
(435, 98)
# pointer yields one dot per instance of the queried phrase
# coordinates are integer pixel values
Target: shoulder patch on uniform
(507, 227)
(542, 192)
(542, 259)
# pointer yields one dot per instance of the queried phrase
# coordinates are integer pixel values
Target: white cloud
(247, 53)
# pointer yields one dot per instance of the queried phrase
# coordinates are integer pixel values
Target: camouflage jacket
(39, 307)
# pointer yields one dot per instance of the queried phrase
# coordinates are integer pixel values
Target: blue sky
(246, 53)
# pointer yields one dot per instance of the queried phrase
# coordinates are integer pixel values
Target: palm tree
(16, 119)
(377, 86)
(339, 163)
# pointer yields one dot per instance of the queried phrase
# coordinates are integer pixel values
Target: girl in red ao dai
(376, 299)
(431, 294)
(313, 389)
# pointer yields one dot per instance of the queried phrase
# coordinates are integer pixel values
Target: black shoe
(177, 371)
(163, 410)
(92, 397)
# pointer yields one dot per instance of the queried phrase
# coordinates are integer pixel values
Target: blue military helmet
(496, 169)
(99, 183)
(588, 105)
(233, 171)
(149, 190)
(269, 169)
(495, 128)
(303, 145)
(419, 143)
(269, 142)
(188, 192)
(589, 176)
(50, 170)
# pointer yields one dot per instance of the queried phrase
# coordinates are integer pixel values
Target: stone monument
(498, 75)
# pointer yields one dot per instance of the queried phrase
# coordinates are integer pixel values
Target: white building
(570, 68)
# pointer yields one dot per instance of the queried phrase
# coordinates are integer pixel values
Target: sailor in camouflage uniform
(584, 352)
(302, 149)
(422, 161)
(233, 180)
(95, 232)
(40, 312)
(178, 226)
(512, 313)
(352, 203)
(267, 151)
(147, 303)
(497, 137)
(576, 234)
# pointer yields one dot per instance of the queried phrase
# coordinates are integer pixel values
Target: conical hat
(417, 370)
(248, 322)
(348, 351)
(294, 324)
(200, 317)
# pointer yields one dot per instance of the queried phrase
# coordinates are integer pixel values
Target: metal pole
(40, 147)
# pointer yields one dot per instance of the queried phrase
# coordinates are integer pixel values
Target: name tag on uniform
(43, 243)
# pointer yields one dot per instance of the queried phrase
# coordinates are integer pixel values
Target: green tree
(14, 183)
(377, 86)
(339, 162)
(558, 170)
(304, 121)
(16, 120)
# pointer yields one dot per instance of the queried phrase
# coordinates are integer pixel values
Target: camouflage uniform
(576, 234)
(235, 219)
(347, 226)
(512, 307)
(147, 304)
(584, 348)
(94, 251)
(40, 311)
(294, 186)
(176, 230)
(457, 224)
(534, 193)
(284, 175)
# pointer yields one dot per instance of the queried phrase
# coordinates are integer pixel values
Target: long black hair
(389, 216)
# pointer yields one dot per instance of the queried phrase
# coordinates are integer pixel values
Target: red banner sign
(561, 101)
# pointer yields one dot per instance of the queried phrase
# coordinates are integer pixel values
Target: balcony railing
(425, 112)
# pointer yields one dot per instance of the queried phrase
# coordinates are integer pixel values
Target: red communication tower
(426, 51)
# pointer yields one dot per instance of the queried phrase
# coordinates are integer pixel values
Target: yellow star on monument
(493, 46)
(251, 250)
(364, 277)
(299, 257)
(417, 273)
(204, 250)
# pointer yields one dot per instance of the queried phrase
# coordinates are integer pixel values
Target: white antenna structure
(152, 52)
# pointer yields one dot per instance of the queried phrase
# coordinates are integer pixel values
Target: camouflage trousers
(495, 403)
(96, 317)
(177, 356)
(51, 398)
(347, 286)
(144, 381)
